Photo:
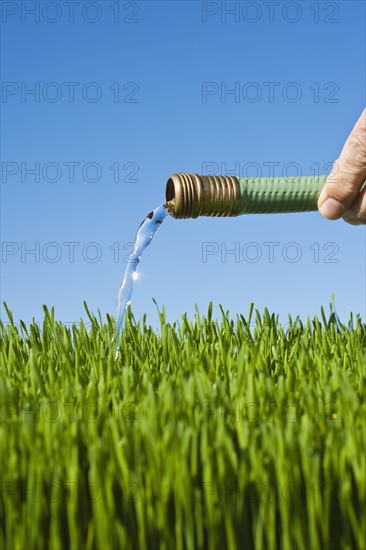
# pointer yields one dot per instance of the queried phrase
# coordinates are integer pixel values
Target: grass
(205, 434)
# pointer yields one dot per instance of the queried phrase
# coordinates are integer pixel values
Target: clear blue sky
(122, 85)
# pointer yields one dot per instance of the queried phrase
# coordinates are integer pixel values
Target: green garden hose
(191, 195)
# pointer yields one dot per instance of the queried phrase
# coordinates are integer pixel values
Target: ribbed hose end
(190, 196)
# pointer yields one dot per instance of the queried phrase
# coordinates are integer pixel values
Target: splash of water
(145, 235)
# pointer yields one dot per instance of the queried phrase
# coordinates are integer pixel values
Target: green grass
(205, 434)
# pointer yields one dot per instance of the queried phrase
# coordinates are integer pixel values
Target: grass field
(203, 434)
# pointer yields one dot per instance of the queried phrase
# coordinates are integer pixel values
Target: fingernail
(331, 209)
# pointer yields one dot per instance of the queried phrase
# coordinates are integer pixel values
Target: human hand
(340, 196)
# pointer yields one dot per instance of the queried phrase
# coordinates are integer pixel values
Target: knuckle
(355, 150)
(343, 181)
(342, 190)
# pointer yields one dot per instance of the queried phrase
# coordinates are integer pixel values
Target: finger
(356, 215)
(348, 174)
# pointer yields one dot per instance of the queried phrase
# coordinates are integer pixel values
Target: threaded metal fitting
(191, 195)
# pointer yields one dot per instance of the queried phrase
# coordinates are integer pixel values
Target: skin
(340, 196)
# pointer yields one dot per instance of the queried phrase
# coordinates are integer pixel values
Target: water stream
(145, 235)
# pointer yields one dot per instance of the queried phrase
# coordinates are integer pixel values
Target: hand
(340, 196)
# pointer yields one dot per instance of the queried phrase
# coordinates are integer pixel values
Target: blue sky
(119, 104)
